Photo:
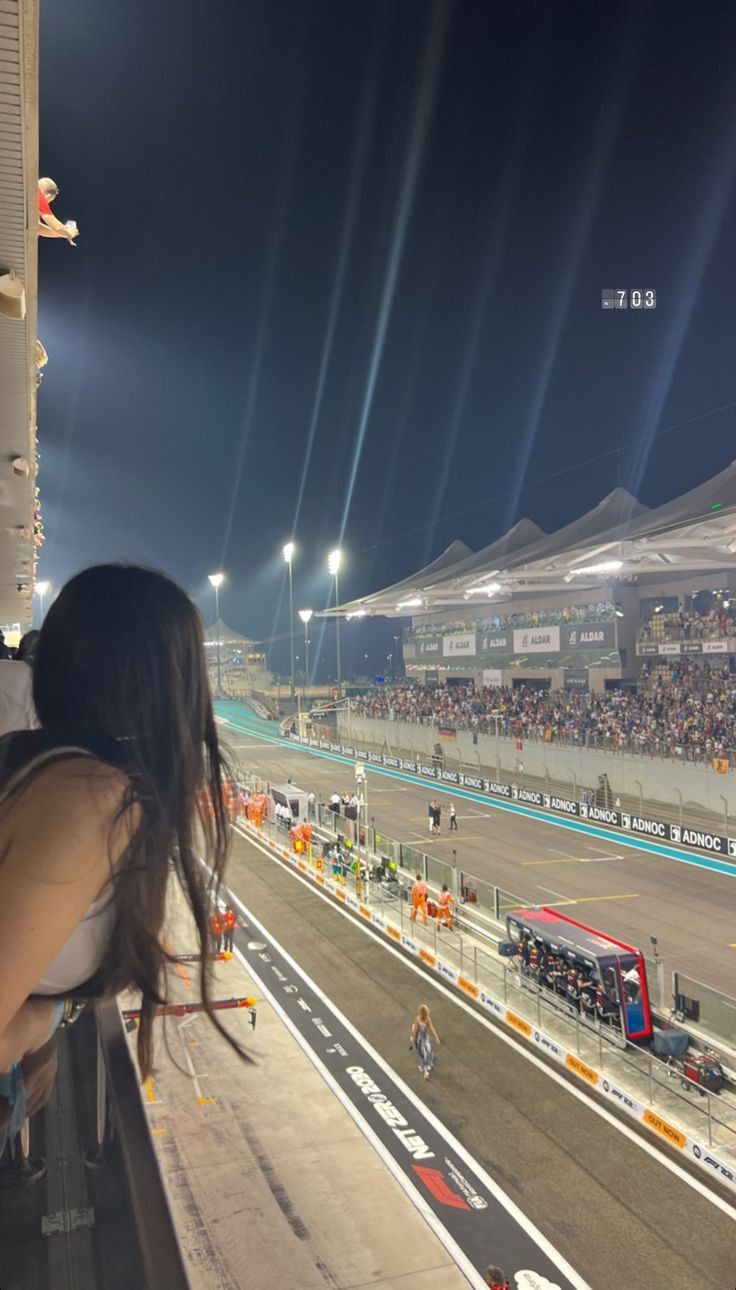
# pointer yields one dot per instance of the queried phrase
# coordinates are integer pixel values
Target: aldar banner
(459, 644)
(428, 646)
(537, 640)
(589, 636)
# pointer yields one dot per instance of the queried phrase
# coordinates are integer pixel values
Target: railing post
(725, 813)
(641, 796)
(455, 875)
(710, 1123)
(496, 905)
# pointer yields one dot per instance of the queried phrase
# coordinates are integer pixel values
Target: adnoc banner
(626, 821)
(459, 644)
(537, 640)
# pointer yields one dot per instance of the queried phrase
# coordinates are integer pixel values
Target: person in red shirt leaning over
(48, 224)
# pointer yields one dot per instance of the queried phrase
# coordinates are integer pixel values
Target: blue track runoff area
(239, 718)
(476, 1221)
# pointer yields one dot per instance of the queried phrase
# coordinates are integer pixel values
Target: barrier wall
(661, 781)
(700, 840)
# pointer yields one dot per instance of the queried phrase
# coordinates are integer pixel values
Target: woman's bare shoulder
(75, 804)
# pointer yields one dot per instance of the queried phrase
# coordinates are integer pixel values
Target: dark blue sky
(351, 252)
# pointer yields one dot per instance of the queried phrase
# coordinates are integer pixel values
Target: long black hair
(120, 670)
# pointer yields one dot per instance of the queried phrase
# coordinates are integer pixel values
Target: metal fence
(711, 1009)
(675, 810)
(704, 1006)
(647, 1077)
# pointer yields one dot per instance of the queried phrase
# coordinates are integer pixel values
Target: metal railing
(482, 903)
(650, 1079)
(106, 1221)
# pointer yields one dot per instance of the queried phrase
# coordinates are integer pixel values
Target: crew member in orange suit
(445, 902)
(419, 899)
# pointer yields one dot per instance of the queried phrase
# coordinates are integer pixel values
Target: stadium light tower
(305, 615)
(42, 590)
(334, 560)
(288, 553)
(217, 580)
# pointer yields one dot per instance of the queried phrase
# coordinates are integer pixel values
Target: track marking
(551, 891)
(651, 1150)
(462, 1261)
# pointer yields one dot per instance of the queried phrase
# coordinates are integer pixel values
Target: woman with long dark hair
(99, 804)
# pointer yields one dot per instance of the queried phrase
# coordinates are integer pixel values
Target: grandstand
(620, 589)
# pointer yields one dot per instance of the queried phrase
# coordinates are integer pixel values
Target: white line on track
(449, 1245)
(644, 1145)
(552, 892)
(453, 1143)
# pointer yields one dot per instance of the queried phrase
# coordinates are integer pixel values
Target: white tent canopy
(618, 538)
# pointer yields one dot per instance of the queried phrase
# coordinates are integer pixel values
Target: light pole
(334, 560)
(305, 615)
(217, 580)
(396, 655)
(42, 590)
(288, 553)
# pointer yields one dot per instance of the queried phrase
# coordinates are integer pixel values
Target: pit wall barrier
(712, 1160)
(552, 805)
(705, 1011)
(661, 780)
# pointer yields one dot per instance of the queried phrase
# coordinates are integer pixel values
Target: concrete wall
(660, 780)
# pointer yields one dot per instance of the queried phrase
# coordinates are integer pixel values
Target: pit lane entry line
(472, 1228)
(621, 1126)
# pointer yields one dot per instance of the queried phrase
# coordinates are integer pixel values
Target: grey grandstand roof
(455, 553)
(522, 535)
(228, 636)
(618, 538)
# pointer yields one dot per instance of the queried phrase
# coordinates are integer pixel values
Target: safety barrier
(595, 1057)
(551, 804)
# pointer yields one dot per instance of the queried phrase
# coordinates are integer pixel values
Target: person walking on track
(430, 818)
(422, 1034)
(419, 894)
(453, 818)
(445, 902)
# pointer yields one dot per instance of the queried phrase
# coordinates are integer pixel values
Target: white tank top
(81, 955)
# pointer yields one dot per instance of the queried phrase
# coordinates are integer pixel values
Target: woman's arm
(58, 840)
(28, 1030)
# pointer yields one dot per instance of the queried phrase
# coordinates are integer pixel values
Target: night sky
(339, 277)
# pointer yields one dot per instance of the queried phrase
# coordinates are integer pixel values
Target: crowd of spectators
(718, 624)
(687, 712)
(601, 611)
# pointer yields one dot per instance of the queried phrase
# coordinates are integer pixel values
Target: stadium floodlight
(334, 560)
(589, 570)
(305, 615)
(288, 550)
(413, 603)
(217, 580)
